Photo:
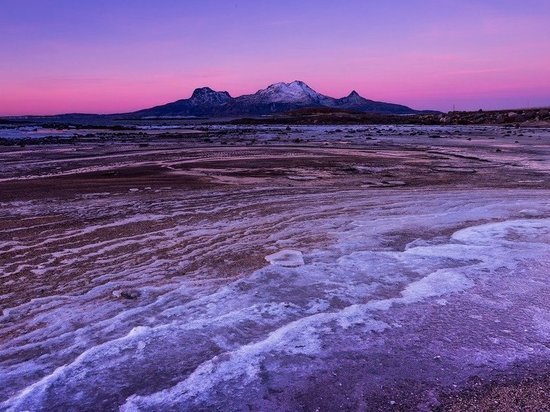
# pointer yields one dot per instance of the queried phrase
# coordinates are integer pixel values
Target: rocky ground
(407, 268)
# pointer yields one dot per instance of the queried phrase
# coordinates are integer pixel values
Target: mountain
(203, 102)
(276, 98)
(296, 92)
(207, 96)
(357, 103)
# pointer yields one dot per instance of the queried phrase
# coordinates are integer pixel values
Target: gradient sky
(107, 56)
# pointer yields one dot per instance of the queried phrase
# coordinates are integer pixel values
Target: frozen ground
(209, 278)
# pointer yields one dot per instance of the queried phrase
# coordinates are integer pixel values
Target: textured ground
(133, 272)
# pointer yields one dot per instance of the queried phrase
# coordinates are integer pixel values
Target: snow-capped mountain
(296, 92)
(276, 98)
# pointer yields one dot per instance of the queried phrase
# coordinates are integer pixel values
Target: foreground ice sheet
(430, 287)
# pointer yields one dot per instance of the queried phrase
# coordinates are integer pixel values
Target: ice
(287, 258)
(436, 284)
(195, 337)
(34, 133)
(508, 233)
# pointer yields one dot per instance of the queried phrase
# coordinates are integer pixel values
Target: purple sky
(120, 55)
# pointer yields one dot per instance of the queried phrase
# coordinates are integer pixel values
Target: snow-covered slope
(295, 92)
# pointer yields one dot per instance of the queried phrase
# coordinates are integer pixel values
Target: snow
(294, 92)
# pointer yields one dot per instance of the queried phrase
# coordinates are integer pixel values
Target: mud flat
(275, 268)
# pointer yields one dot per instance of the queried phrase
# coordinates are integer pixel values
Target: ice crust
(195, 343)
(286, 258)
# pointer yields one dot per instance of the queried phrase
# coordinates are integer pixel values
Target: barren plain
(408, 268)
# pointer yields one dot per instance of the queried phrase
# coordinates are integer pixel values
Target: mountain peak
(205, 91)
(200, 91)
(293, 92)
(353, 98)
(205, 95)
(295, 85)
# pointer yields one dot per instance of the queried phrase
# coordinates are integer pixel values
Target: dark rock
(127, 294)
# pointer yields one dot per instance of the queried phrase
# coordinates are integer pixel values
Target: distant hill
(276, 98)
(325, 115)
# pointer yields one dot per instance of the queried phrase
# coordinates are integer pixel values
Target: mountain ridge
(274, 99)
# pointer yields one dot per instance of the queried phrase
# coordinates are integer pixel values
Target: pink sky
(59, 56)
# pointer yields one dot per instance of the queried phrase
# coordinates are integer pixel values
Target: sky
(109, 56)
